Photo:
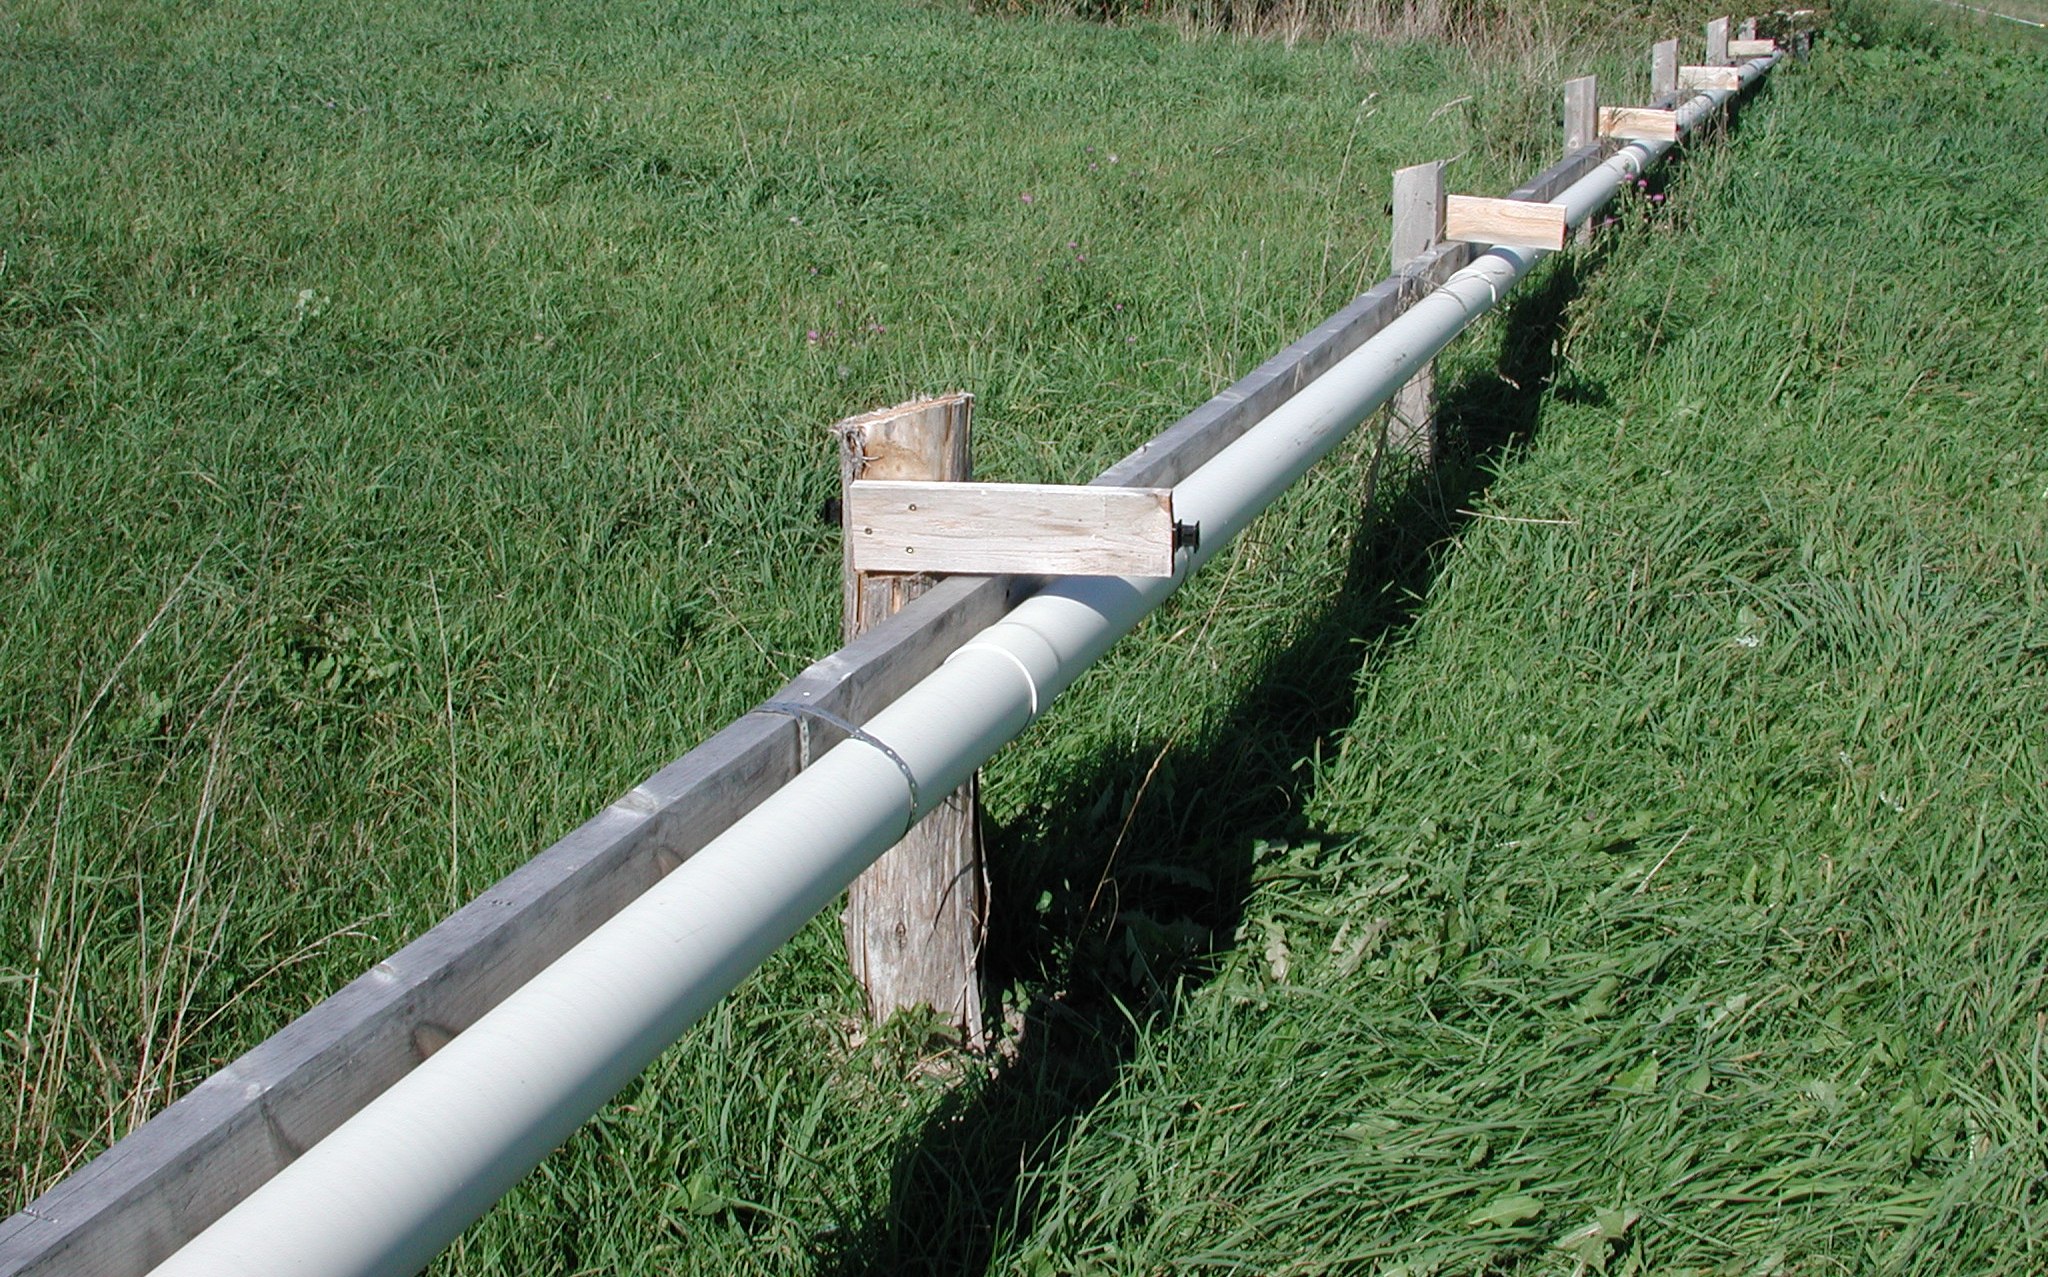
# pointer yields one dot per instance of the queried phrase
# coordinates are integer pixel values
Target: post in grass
(1582, 126)
(1418, 228)
(914, 920)
(1663, 71)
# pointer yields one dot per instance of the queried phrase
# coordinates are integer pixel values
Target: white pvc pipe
(395, 1183)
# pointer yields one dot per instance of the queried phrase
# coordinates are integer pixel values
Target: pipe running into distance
(391, 1186)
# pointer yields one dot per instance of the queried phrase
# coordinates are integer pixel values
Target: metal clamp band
(804, 713)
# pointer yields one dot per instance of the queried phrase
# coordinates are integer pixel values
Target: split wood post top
(1418, 228)
(914, 919)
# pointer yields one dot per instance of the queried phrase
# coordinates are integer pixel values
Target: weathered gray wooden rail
(131, 1207)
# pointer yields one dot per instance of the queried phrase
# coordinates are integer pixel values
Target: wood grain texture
(123, 1212)
(1049, 529)
(1631, 122)
(1418, 229)
(1744, 50)
(1663, 68)
(1700, 79)
(915, 919)
(1418, 200)
(1507, 223)
(1717, 42)
(1581, 112)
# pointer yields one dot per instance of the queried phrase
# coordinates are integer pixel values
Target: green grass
(2030, 10)
(1675, 900)
(416, 428)
(1647, 862)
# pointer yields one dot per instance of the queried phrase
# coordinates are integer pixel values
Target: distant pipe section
(393, 1185)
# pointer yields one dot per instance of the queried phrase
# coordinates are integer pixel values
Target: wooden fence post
(1663, 70)
(1717, 43)
(1418, 227)
(1582, 127)
(914, 920)
(1581, 112)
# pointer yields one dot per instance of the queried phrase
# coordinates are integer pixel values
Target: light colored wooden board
(1744, 50)
(1717, 42)
(128, 1208)
(1700, 79)
(1746, 29)
(1663, 68)
(1505, 223)
(1046, 528)
(1629, 123)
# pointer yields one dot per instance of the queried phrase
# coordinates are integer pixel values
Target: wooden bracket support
(987, 528)
(1744, 50)
(1663, 69)
(1504, 223)
(1629, 123)
(1700, 79)
(914, 920)
(1418, 228)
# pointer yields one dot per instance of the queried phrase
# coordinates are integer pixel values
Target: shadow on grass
(1183, 824)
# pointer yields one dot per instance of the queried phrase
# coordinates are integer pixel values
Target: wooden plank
(1504, 223)
(1629, 123)
(1045, 528)
(1717, 42)
(1701, 79)
(1744, 50)
(1746, 30)
(1581, 112)
(1663, 69)
(128, 1208)
(913, 920)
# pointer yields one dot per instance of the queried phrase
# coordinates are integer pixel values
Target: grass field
(1622, 852)
(2027, 11)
